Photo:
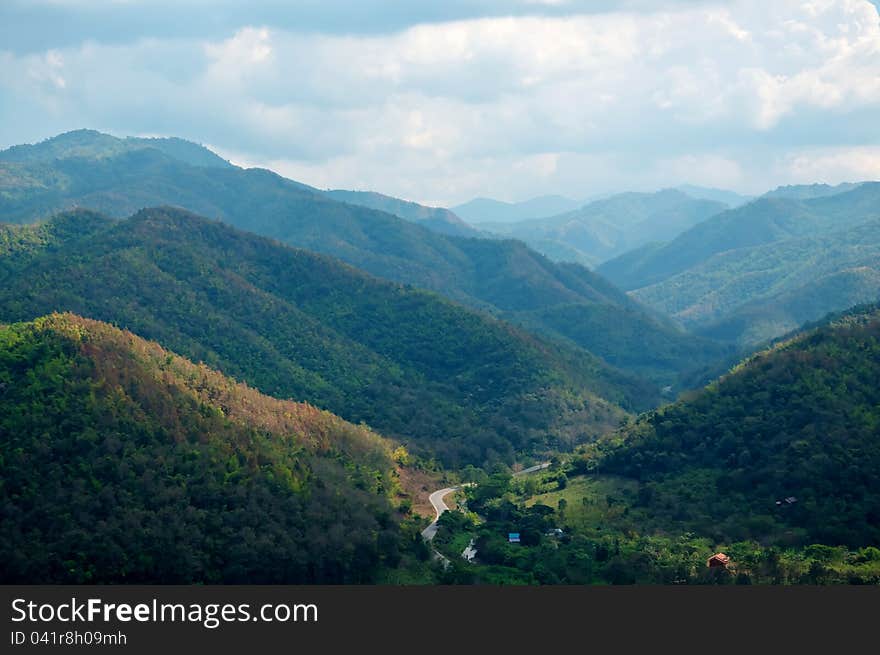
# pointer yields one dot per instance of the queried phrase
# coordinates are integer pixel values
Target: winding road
(436, 499)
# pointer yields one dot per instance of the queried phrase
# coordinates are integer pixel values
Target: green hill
(500, 276)
(445, 379)
(89, 144)
(125, 463)
(749, 295)
(612, 226)
(800, 421)
(756, 272)
(764, 221)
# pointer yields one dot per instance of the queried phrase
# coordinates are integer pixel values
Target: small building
(718, 560)
(513, 537)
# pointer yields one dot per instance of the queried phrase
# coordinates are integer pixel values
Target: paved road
(439, 506)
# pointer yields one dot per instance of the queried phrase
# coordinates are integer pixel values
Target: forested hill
(504, 277)
(89, 144)
(800, 421)
(125, 463)
(445, 379)
(764, 221)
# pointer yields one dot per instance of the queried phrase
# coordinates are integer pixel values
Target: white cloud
(507, 106)
(831, 165)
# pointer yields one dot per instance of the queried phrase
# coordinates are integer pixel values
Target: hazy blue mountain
(611, 226)
(766, 220)
(487, 210)
(808, 191)
(758, 271)
(92, 144)
(729, 198)
(434, 218)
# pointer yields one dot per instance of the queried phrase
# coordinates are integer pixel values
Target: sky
(440, 102)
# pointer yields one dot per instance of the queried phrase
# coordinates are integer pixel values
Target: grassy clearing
(591, 502)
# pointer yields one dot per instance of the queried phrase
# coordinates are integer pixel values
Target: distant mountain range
(760, 270)
(503, 277)
(487, 210)
(609, 227)
(809, 191)
(729, 198)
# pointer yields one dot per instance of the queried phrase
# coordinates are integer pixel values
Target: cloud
(473, 102)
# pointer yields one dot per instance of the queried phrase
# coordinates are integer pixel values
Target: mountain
(764, 221)
(809, 191)
(501, 276)
(785, 449)
(446, 380)
(434, 218)
(612, 226)
(725, 197)
(487, 210)
(125, 463)
(750, 295)
(756, 272)
(90, 144)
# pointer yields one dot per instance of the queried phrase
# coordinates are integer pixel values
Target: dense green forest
(122, 462)
(750, 295)
(775, 465)
(577, 527)
(446, 380)
(502, 276)
(801, 421)
(758, 271)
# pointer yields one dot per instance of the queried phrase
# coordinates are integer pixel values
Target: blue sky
(441, 102)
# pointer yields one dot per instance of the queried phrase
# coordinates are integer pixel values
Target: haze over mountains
(487, 210)
(778, 261)
(609, 227)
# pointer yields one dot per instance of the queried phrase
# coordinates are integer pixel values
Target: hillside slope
(753, 294)
(125, 463)
(764, 221)
(446, 379)
(492, 275)
(800, 421)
